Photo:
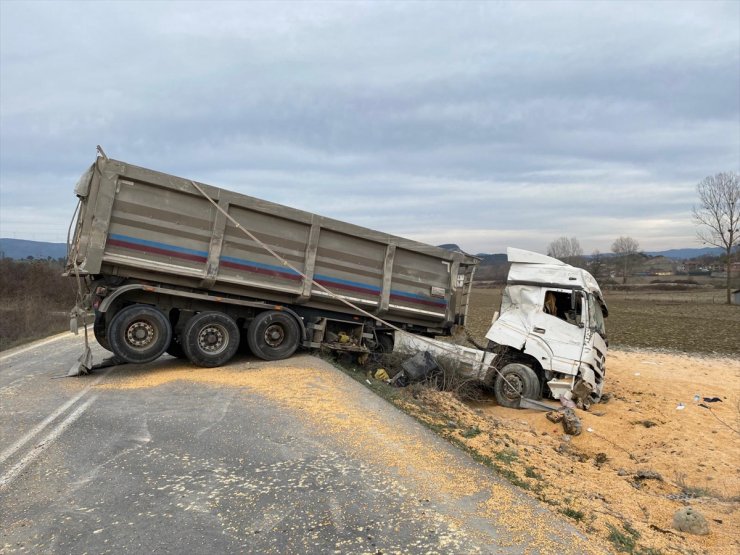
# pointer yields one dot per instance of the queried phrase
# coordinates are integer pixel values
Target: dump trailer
(171, 265)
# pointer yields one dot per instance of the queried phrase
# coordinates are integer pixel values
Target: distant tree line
(626, 252)
(717, 216)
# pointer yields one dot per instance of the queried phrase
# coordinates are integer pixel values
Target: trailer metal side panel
(414, 276)
(350, 266)
(141, 224)
(245, 261)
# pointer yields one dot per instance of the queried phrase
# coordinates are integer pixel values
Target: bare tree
(596, 264)
(626, 249)
(567, 249)
(719, 215)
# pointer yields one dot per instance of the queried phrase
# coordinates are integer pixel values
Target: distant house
(694, 268)
(703, 268)
(736, 296)
(720, 270)
(658, 266)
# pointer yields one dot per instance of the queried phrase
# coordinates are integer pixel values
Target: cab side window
(560, 305)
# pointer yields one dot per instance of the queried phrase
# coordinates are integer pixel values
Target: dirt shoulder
(643, 459)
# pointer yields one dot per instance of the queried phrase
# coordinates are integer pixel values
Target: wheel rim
(513, 386)
(213, 339)
(141, 334)
(274, 335)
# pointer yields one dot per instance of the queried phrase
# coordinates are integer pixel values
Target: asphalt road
(288, 457)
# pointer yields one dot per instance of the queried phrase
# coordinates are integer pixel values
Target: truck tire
(100, 332)
(385, 343)
(210, 339)
(522, 382)
(139, 334)
(273, 335)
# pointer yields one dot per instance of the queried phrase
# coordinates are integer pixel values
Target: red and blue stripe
(193, 255)
(153, 247)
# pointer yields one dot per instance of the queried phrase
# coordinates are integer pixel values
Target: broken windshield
(596, 316)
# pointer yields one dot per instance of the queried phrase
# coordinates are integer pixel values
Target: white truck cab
(549, 338)
(552, 321)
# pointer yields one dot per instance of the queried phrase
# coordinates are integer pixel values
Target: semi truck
(170, 265)
(548, 338)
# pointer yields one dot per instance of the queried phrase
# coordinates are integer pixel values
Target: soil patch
(642, 460)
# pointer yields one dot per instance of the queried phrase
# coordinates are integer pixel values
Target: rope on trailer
(333, 295)
(69, 230)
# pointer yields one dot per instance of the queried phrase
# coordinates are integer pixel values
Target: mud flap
(85, 361)
(83, 364)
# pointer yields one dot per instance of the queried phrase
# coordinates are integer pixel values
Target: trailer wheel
(100, 332)
(522, 382)
(210, 339)
(273, 335)
(139, 334)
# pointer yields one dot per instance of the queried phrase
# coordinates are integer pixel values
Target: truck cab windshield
(596, 316)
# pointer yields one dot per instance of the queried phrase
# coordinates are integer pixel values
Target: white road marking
(48, 420)
(44, 444)
(34, 345)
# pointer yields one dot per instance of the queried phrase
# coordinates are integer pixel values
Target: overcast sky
(483, 124)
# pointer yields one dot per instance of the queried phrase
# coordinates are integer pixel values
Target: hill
(19, 249)
(685, 254)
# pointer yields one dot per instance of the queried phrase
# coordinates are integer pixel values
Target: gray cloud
(478, 123)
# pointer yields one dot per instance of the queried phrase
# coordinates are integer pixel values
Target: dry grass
(35, 300)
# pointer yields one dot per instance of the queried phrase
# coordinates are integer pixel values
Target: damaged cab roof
(531, 268)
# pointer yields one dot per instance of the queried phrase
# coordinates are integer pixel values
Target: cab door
(560, 324)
